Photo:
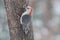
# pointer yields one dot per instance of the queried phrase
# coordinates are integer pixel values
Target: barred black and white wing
(26, 22)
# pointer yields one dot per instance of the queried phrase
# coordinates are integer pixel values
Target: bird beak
(24, 6)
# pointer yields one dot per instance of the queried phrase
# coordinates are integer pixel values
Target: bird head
(29, 9)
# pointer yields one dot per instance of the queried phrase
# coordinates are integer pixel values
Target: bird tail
(25, 29)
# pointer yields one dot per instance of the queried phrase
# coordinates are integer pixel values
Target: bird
(25, 19)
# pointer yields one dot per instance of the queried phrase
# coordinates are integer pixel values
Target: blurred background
(4, 32)
(45, 20)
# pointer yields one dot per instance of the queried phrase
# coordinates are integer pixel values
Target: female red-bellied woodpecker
(26, 19)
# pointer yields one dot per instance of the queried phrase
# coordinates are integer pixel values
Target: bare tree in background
(14, 9)
(47, 15)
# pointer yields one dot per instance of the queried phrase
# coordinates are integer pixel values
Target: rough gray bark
(14, 10)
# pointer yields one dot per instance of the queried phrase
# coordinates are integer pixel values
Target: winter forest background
(45, 20)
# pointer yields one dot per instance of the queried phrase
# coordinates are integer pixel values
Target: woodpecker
(26, 19)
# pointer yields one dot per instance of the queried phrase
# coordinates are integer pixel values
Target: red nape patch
(30, 11)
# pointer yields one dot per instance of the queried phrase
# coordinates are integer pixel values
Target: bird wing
(26, 19)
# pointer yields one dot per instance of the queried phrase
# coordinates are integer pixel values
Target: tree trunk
(47, 12)
(14, 9)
